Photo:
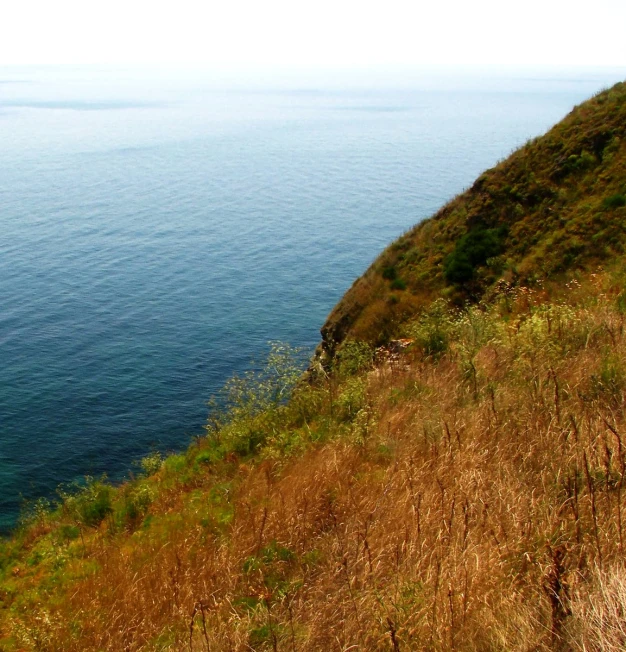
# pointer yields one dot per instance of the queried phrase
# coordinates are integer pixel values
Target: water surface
(157, 230)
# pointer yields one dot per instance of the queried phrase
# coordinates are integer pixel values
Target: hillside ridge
(555, 205)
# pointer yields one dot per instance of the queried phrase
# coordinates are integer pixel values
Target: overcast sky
(295, 33)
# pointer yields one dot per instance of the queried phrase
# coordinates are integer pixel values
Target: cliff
(463, 492)
(554, 206)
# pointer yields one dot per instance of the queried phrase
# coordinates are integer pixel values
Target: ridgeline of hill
(554, 205)
(462, 492)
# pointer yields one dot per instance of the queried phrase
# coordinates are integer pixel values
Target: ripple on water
(150, 251)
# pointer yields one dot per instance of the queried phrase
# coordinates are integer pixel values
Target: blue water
(158, 228)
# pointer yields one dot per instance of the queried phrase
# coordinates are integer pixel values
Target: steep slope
(555, 205)
(467, 494)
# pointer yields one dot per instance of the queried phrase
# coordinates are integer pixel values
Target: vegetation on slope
(555, 205)
(467, 494)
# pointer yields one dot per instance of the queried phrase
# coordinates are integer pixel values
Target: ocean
(160, 227)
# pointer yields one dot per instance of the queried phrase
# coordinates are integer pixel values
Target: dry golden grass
(598, 613)
(475, 502)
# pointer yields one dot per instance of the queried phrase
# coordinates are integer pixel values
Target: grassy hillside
(557, 204)
(466, 493)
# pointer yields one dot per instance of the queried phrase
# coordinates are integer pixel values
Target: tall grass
(467, 496)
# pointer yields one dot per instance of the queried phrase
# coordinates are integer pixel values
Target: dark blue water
(156, 231)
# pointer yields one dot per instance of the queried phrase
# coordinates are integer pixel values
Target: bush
(433, 329)
(249, 395)
(95, 504)
(88, 504)
(398, 284)
(579, 162)
(614, 201)
(471, 251)
(67, 533)
(137, 498)
(151, 463)
(609, 383)
(352, 398)
(390, 273)
(251, 407)
(354, 357)
(210, 455)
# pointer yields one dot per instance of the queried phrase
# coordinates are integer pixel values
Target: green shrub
(433, 329)
(275, 552)
(66, 533)
(352, 398)
(151, 463)
(251, 408)
(398, 284)
(262, 637)
(614, 201)
(175, 464)
(244, 397)
(435, 344)
(137, 500)
(210, 455)
(472, 251)
(390, 273)
(354, 357)
(579, 162)
(88, 504)
(95, 504)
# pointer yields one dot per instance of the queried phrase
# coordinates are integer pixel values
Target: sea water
(159, 227)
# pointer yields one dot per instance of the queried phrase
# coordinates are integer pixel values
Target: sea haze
(158, 229)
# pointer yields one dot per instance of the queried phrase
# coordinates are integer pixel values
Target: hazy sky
(295, 33)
